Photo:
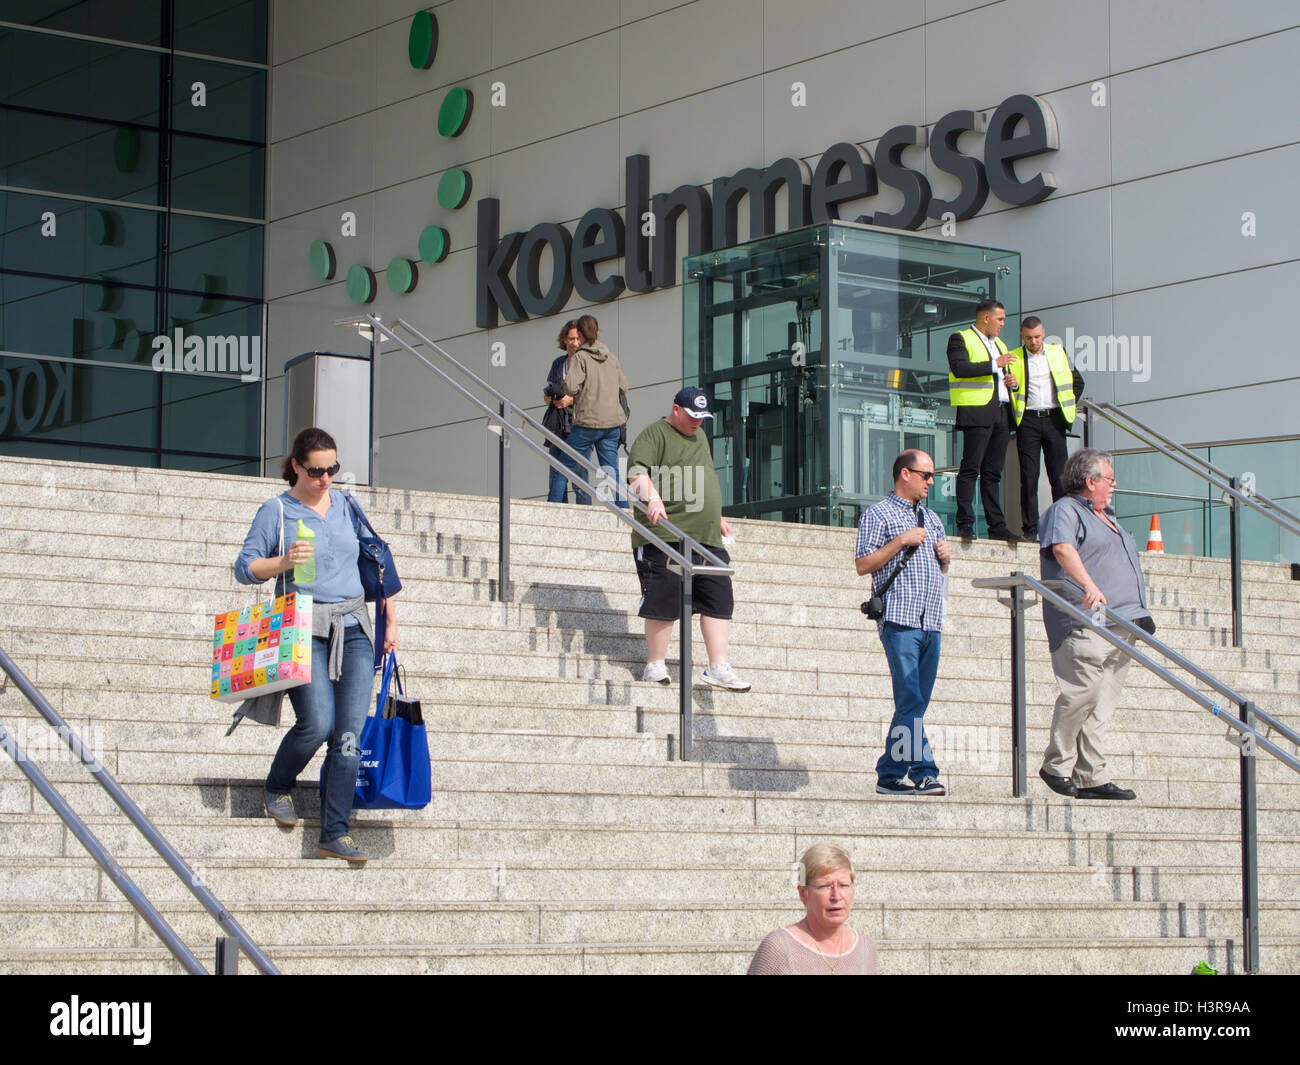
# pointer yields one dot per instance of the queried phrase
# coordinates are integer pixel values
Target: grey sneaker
(344, 847)
(723, 676)
(281, 808)
(656, 673)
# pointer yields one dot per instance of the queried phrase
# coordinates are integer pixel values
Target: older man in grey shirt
(1081, 541)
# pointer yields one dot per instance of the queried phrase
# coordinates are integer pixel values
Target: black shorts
(661, 588)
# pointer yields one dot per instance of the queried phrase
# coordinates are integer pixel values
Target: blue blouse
(337, 549)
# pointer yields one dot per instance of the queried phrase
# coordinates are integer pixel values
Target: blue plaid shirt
(916, 599)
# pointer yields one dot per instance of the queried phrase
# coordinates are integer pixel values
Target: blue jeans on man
(605, 441)
(913, 656)
(558, 487)
(332, 711)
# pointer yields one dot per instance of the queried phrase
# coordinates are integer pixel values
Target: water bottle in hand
(305, 572)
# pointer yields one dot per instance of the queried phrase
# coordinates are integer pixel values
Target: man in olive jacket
(595, 380)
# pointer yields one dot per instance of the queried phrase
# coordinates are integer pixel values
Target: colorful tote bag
(262, 648)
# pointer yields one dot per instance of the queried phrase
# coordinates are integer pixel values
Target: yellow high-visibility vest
(975, 391)
(1062, 377)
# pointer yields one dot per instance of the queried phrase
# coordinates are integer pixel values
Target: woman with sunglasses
(333, 706)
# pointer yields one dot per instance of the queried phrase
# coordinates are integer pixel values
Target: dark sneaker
(894, 787)
(344, 847)
(930, 786)
(1060, 785)
(281, 808)
(1109, 790)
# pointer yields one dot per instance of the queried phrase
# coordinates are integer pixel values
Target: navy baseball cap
(693, 402)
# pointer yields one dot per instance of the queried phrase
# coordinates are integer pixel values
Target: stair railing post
(684, 687)
(1018, 783)
(503, 511)
(1234, 541)
(1249, 846)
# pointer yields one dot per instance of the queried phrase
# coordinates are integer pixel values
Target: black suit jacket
(960, 366)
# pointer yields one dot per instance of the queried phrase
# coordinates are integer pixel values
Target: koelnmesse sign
(845, 172)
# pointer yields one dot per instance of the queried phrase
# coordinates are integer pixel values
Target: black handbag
(375, 563)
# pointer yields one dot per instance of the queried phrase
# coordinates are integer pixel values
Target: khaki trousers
(1090, 673)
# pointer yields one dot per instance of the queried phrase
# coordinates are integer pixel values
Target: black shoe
(1109, 790)
(966, 534)
(1004, 534)
(1060, 785)
(1029, 538)
(894, 787)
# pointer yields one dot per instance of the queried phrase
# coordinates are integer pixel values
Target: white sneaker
(723, 676)
(656, 673)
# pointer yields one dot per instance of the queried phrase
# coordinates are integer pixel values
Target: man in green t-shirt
(670, 467)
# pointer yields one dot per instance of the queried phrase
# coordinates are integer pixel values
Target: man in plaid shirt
(913, 618)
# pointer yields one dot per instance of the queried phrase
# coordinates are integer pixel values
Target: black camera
(874, 608)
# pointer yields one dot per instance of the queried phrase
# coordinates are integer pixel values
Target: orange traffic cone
(1189, 545)
(1155, 541)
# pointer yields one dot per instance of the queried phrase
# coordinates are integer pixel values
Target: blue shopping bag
(394, 770)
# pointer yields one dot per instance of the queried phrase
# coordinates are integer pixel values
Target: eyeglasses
(1103, 477)
(927, 474)
(321, 471)
(825, 889)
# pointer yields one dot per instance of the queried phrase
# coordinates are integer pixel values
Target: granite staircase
(564, 835)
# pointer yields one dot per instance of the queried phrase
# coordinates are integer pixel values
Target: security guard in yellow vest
(1043, 403)
(980, 386)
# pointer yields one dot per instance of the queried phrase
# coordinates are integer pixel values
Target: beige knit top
(780, 954)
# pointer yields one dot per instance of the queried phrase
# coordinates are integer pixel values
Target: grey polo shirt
(1110, 557)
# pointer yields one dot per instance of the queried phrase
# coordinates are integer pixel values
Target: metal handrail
(500, 421)
(105, 860)
(1248, 739)
(1213, 475)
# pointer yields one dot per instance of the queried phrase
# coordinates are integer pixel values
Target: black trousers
(1039, 434)
(983, 454)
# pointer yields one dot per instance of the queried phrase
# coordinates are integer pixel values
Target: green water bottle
(305, 572)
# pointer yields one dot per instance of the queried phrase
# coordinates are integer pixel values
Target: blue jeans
(605, 441)
(913, 656)
(557, 487)
(333, 711)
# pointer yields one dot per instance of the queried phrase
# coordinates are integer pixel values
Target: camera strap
(920, 524)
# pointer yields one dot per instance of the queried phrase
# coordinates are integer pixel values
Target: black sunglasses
(927, 474)
(321, 471)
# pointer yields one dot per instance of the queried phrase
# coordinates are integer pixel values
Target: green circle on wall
(126, 149)
(136, 345)
(402, 275)
(453, 115)
(434, 244)
(321, 256)
(422, 43)
(101, 294)
(101, 225)
(453, 189)
(361, 283)
(109, 332)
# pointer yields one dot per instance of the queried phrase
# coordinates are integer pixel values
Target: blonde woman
(822, 944)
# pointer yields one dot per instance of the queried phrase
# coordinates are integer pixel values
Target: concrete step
(211, 837)
(105, 924)
(922, 957)
(700, 800)
(393, 881)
